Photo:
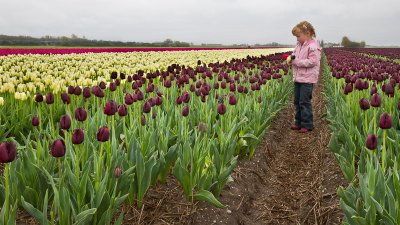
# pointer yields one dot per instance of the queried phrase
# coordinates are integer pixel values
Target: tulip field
(363, 104)
(83, 133)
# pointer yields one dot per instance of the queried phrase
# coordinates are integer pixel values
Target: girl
(305, 62)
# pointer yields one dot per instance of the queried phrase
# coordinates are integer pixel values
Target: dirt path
(292, 178)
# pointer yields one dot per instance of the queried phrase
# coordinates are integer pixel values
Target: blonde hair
(303, 27)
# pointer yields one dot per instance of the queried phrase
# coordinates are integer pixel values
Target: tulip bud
(102, 85)
(159, 100)
(80, 114)
(113, 86)
(143, 120)
(50, 98)
(185, 111)
(78, 136)
(110, 108)
(185, 97)
(65, 98)
(348, 88)
(57, 149)
(364, 104)
(122, 110)
(232, 100)
(385, 121)
(103, 134)
(202, 127)
(146, 107)
(7, 152)
(65, 122)
(376, 100)
(179, 100)
(140, 96)
(129, 99)
(114, 75)
(372, 142)
(78, 90)
(117, 172)
(221, 109)
(86, 92)
(71, 90)
(122, 76)
(39, 97)
(35, 121)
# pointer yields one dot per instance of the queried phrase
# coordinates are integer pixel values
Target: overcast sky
(203, 21)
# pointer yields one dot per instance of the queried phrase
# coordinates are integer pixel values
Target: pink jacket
(307, 62)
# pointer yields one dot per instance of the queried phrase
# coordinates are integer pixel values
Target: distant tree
(345, 41)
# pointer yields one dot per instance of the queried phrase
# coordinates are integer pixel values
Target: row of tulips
(390, 53)
(25, 75)
(363, 108)
(76, 164)
(62, 51)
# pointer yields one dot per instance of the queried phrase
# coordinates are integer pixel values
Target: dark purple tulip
(122, 76)
(389, 90)
(57, 149)
(114, 75)
(110, 108)
(129, 99)
(130, 79)
(143, 120)
(185, 111)
(71, 90)
(80, 114)
(122, 110)
(232, 100)
(65, 98)
(78, 136)
(102, 85)
(146, 107)
(385, 121)
(179, 100)
(103, 134)
(140, 96)
(159, 100)
(167, 83)
(372, 142)
(364, 104)
(35, 121)
(78, 90)
(232, 87)
(221, 109)
(185, 97)
(117, 171)
(39, 97)
(86, 92)
(159, 94)
(7, 152)
(223, 84)
(65, 122)
(135, 86)
(113, 86)
(99, 93)
(348, 88)
(117, 82)
(202, 127)
(216, 85)
(359, 84)
(50, 98)
(376, 100)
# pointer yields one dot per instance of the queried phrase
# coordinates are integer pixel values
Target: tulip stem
(374, 120)
(7, 194)
(384, 151)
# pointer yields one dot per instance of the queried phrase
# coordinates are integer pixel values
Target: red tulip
(57, 149)
(7, 152)
(285, 56)
(103, 134)
(78, 136)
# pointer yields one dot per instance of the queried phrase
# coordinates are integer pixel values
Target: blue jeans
(302, 102)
